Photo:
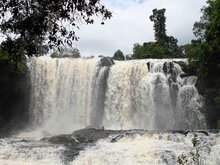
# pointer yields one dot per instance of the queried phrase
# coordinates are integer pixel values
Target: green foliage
(4, 56)
(164, 47)
(66, 52)
(159, 20)
(154, 50)
(208, 32)
(34, 20)
(148, 50)
(168, 44)
(128, 57)
(11, 54)
(118, 55)
(206, 56)
(54, 55)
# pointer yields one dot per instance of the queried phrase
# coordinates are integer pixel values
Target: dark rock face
(183, 65)
(200, 86)
(188, 71)
(91, 135)
(78, 140)
(148, 66)
(218, 124)
(88, 135)
(14, 100)
(168, 68)
(106, 61)
(186, 75)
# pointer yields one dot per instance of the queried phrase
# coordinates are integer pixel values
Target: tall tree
(159, 20)
(167, 42)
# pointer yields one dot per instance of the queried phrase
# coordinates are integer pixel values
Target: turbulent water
(130, 148)
(72, 94)
(153, 149)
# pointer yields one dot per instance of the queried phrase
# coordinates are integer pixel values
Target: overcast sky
(130, 24)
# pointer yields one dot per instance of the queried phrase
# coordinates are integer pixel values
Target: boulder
(106, 61)
(183, 65)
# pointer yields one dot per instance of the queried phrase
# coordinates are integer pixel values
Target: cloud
(130, 24)
(121, 4)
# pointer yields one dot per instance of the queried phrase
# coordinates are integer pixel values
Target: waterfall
(70, 94)
(61, 93)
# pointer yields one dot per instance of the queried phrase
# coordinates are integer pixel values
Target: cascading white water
(153, 149)
(70, 94)
(134, 148)
(153, 97)
(61, 93)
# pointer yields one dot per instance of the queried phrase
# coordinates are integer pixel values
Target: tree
(167, 42)
(137, 51)
(159, 25)
(66, 52)
(118, 55)
(15, 57)
(207, 30)
(128, 57)
(207, 57)
(35, 21)
(148, 50)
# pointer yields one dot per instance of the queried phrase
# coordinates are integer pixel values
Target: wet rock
(218, 124)
(168, 68)
(183, 65)
(106, 61)
(186, 75)
(165, 69)
(183, 132)
(88, 135)
(62, 139)
(148, 66)
(204, 132)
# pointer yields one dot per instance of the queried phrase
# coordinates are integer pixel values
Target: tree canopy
(204, 54)
(66, 52)
(118, 55)
(35, 21)
(207, 31)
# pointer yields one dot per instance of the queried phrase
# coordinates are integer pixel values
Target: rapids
(110, 147)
